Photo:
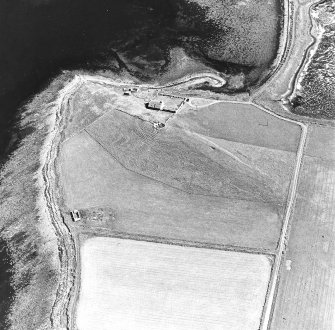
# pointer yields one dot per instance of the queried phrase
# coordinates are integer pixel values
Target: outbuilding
(75, 215)
(155, 104)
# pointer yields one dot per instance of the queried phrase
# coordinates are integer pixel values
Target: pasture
(321, 142)
(176, 184)
(306, 296)
(179, 160)
(91, 177)
(93, 100)
(243, 123)
(139, 285)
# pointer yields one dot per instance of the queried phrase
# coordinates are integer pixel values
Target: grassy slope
(92, 178)
(242, 123)
(173, 157)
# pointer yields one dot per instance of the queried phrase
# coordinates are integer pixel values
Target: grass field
(176, 184)
(138, 285)
(181, 161)
(242, 123)
(276, 165)
(92, 178)
(321, 142)
(306, 298)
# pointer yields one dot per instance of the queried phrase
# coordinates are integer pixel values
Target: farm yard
(92, 100)
(141, 285)
(306, 296)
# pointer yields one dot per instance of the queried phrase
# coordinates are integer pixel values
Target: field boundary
(274, 280)
(179, 242)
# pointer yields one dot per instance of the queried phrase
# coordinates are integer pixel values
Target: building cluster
(172, 105)
(161, 102)
(129, 90)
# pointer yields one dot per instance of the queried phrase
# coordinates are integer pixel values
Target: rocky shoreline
(31, 240)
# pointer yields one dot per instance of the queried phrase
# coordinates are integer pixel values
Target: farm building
(155, 105)
(165, 102)
(130, 89)
(75, 215)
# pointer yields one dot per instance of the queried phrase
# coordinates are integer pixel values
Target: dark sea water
(39, 38)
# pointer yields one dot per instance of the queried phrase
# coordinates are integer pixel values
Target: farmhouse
(155, 105)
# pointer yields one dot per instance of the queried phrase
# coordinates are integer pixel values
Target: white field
(138, 285)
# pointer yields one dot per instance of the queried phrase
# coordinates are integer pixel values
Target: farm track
(61, 316)
(266, 323)
(306, 295)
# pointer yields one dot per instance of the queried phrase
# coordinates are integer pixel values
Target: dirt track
(306, 290)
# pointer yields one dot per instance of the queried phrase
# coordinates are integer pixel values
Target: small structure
(158, 125)
(155, 105)
(75, 215)
(129, 90)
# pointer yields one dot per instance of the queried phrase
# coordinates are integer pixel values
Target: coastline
(60, 317)
(44, 268)
(32, 244)
(41, 247)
